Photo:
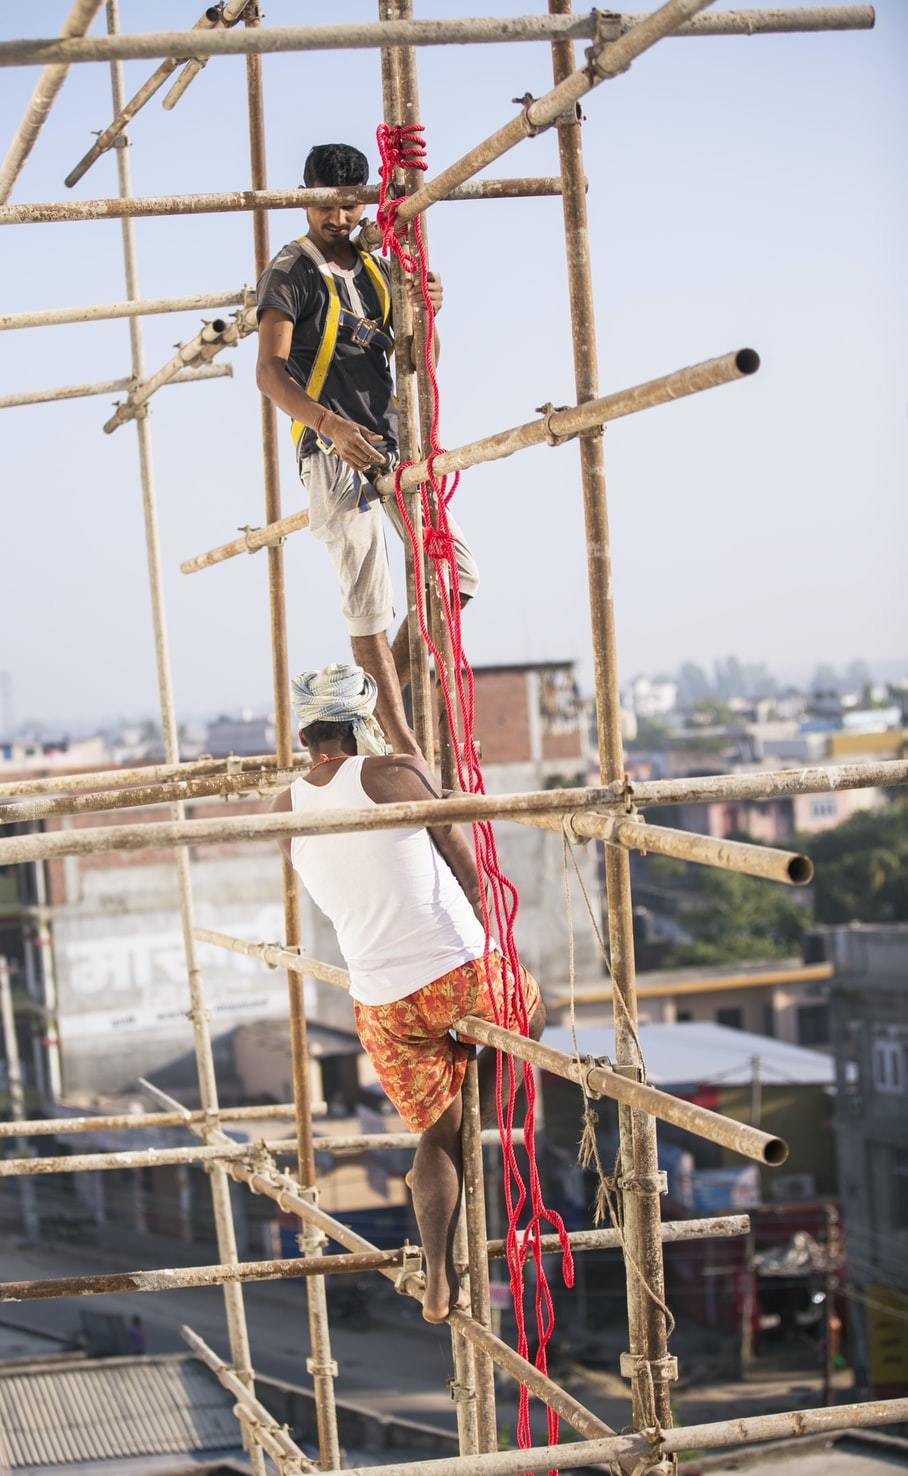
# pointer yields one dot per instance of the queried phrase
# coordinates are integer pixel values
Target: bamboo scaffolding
(260, 1419)
(320, 1365)
(772, 864)
(223, 786)
(234, 1307)
(181, 1278)
(231, 201)
(42, 99)
(100, 312)
(631, 1451)
(108, 387)
(88, 781)
(52, 1127)
(109, 136)
(364, 35)
(606, 1081)
(555, 427)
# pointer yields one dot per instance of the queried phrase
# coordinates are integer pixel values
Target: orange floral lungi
(418, 1062)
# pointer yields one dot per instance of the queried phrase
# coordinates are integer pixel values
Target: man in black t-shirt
(325, 341)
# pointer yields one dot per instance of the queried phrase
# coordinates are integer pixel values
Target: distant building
(244, 735)
(652, 697)
(869, 996)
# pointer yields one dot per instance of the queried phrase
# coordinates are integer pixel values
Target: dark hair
(335, 164)
(325, 732)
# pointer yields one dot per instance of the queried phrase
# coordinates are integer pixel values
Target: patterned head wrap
(341, 693)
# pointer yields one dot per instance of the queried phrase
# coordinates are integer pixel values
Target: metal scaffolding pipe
(276, 956)
(555, 427)
(365, 35)
(604, 1081)
(101, 779)
(42, 99)
(107, 138)
(628, 1450)
(16, 1088)
(221, 786)
(349, 1264)
(788, 867)
(478, 1250)
(228, 16)
(108, 387)
(210, 340)
(457, 809)
(100, 312)
(261, 1420)
(607, 58)
(52, 1127)
(230, 201)
(767, 784)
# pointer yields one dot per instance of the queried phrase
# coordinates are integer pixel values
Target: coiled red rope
(405, 148)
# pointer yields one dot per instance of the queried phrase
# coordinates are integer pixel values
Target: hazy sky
(742, 192)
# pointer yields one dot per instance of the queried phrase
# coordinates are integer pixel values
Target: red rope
(405, 148)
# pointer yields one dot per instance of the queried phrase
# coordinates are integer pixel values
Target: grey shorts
(345, 514)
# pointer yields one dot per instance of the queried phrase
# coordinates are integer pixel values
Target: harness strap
(334, 318)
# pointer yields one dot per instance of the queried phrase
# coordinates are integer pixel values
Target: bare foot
(438, 1307)
(408, 1180)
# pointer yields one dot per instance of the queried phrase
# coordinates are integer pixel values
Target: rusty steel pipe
(278, 1437)
(90, 780)
(103, 311)
(52, 1127)
(208, 342)
(604, 1081)
(107, 387)
(230, 201)
(364, 35)
(767, 784)
(252, 540)
(349, 1264)
(222, 786)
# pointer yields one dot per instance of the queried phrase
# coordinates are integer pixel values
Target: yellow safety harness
(334, 318)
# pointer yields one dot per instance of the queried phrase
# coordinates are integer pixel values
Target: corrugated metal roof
(114, 1408)
(701, 1052)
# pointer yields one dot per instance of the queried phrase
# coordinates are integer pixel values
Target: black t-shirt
(359, 384)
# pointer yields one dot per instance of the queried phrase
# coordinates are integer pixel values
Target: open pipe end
(219, 324)
(775, 1152)
(747, 361)
(800, 871)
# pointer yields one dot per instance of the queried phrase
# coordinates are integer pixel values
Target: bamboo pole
(109, 136)
(606, 1081)
(222, 786)
(641, 1451)
(260, 1420)
(555, 427)
(606, 58)
(86, 781)
(30, 1221)
(42, 99)
(638, 1194)
(768, 862)
(208, 342)
(231, 201)
(320, 1365)
(421, 689)
(52, 1127)
(100, 312)
(198, 1014)
(349, 1264)
(458, 32)
(108, 387)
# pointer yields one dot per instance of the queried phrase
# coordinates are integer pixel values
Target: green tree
(861, 867)
(730, 917)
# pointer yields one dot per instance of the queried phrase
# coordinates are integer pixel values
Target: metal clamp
(644, 1183)
(410, 1267)
(554, 437)
(608, 29)
(663, 1370)
(460, 1393)
(326, 1370)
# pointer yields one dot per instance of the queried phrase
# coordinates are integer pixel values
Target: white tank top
(401, 917)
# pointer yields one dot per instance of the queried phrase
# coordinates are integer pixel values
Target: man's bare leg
(401, 649)
(373, 654)
(437, 1178)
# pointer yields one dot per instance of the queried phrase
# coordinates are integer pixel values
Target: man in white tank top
(406, 907)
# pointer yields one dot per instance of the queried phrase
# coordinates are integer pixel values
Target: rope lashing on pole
(404, 147)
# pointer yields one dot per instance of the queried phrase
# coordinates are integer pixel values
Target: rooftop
(701, 1053)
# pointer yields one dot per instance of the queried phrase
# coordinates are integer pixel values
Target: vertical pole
(639, 1156)
(830, 1319)
(409, 426)
(464, 1381)
(407, 112)
(756, 1091)
(220, 1184)
(320, 1364)
(17, 1111)
(477, 1237)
